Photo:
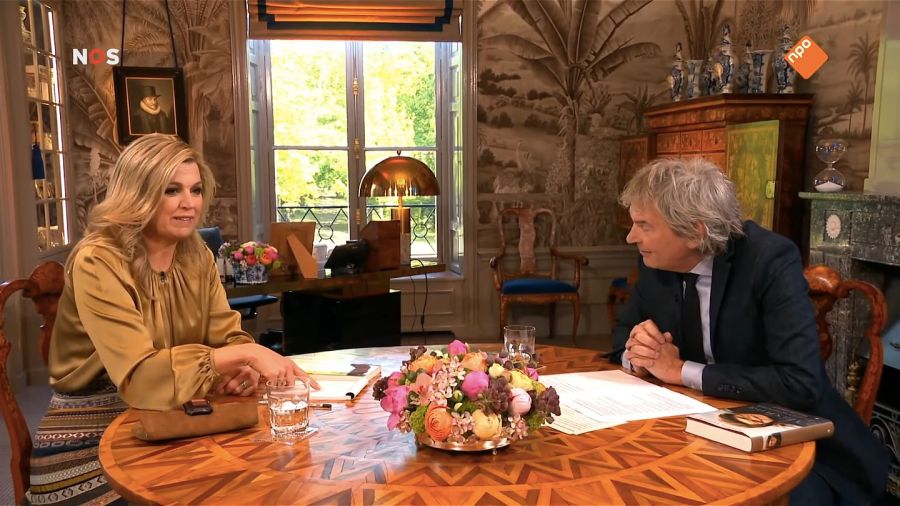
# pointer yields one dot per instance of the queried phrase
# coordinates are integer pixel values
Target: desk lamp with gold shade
(400, 176)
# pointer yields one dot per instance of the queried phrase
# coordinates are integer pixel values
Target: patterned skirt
(65, 467)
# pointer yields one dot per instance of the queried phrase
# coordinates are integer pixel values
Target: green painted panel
(752, 162)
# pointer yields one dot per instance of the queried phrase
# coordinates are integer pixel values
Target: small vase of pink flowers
(251, 261)
(465, 400)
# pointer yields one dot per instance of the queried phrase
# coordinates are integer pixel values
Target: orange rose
(438, 422)
(474, 361)
(426, 361)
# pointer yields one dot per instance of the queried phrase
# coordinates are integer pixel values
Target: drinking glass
(518, 341)
(288, 409)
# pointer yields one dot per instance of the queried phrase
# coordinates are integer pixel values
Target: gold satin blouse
(157, 347)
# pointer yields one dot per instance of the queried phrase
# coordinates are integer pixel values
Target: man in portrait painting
(147, 113)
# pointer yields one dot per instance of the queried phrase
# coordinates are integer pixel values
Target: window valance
(416, 20)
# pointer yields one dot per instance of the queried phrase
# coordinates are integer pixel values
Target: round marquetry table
(355, 459)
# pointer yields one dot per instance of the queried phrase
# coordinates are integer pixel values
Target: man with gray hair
(721, 306)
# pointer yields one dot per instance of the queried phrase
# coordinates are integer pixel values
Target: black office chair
(248, 306)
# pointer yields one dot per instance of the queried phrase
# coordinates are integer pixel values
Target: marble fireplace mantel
(859, 235)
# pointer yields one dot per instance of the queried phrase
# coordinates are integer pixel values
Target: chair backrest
(527, 219)
(43, 287)
(213, 238)
(825, 287)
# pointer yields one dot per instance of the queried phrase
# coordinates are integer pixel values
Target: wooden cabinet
(758, 140)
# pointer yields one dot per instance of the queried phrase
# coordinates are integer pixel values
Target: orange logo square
(806, 57)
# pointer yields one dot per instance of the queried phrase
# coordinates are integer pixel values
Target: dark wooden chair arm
(43, 287)
(497, 267)
(578, 260)
(826, 286)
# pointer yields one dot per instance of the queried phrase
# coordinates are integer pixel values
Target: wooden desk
(354, 459)
(366, 283)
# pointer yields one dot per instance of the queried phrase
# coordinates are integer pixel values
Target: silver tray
(479, 446)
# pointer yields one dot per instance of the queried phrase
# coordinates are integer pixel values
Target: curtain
(411, 20)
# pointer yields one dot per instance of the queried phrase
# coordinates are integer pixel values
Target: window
(45, 110)
(337, 108)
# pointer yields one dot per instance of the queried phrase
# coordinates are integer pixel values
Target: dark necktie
(691, 324)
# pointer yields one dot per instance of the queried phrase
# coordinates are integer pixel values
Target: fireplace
(859, 235)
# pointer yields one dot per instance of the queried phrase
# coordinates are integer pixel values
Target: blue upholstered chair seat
(520, 286)
(251, 301)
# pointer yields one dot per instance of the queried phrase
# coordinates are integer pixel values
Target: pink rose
(475, 383)
(457, 347)
(394, 379)
(532, 373)
(395, 399)
(238, 256)
(519, 401)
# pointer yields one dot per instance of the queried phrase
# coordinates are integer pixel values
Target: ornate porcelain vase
(250, 275)
(784, 73)
(726, 62)
(742, 76)
(693, 69)
(759, 70)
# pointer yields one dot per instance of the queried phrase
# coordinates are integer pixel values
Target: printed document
(601, 399)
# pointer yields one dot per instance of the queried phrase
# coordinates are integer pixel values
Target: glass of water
(518, 341)
(288, 409)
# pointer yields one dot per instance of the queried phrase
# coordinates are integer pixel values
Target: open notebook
(339, 381)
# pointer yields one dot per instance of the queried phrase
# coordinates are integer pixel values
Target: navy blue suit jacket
(765, 345)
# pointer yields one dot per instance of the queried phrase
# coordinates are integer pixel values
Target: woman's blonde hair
(688, 192)
(136, 186)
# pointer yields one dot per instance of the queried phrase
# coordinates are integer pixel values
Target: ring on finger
(243, 385)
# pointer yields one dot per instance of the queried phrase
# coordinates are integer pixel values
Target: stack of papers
(601, 399)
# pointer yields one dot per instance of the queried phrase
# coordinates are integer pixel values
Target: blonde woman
(143, 320)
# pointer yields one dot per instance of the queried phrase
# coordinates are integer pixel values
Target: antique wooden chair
(528, 285)
(825, 287)
(43, 287)
(619, 294)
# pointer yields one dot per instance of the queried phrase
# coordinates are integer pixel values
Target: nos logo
(95, 56)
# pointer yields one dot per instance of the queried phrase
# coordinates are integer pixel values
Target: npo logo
(806, 57)
(95, 56)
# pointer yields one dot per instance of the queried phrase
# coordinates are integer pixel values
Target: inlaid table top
(355, 459)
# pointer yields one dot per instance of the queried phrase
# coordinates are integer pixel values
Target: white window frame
(356, 129)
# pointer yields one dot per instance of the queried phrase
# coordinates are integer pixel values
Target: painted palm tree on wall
(863, 59)
(853, 101)
(577, 50)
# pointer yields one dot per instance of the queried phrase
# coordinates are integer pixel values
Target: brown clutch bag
(228, 414)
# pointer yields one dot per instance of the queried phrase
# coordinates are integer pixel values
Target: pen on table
(323, 405)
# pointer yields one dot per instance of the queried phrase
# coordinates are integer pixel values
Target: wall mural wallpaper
(561, 82)
(202, 40)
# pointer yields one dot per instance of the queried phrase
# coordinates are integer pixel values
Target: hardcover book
(758, 427)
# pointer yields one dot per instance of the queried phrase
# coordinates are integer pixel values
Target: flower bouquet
(465, 400)
(251, 261)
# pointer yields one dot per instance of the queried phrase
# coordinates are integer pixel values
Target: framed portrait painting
(149, 100)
